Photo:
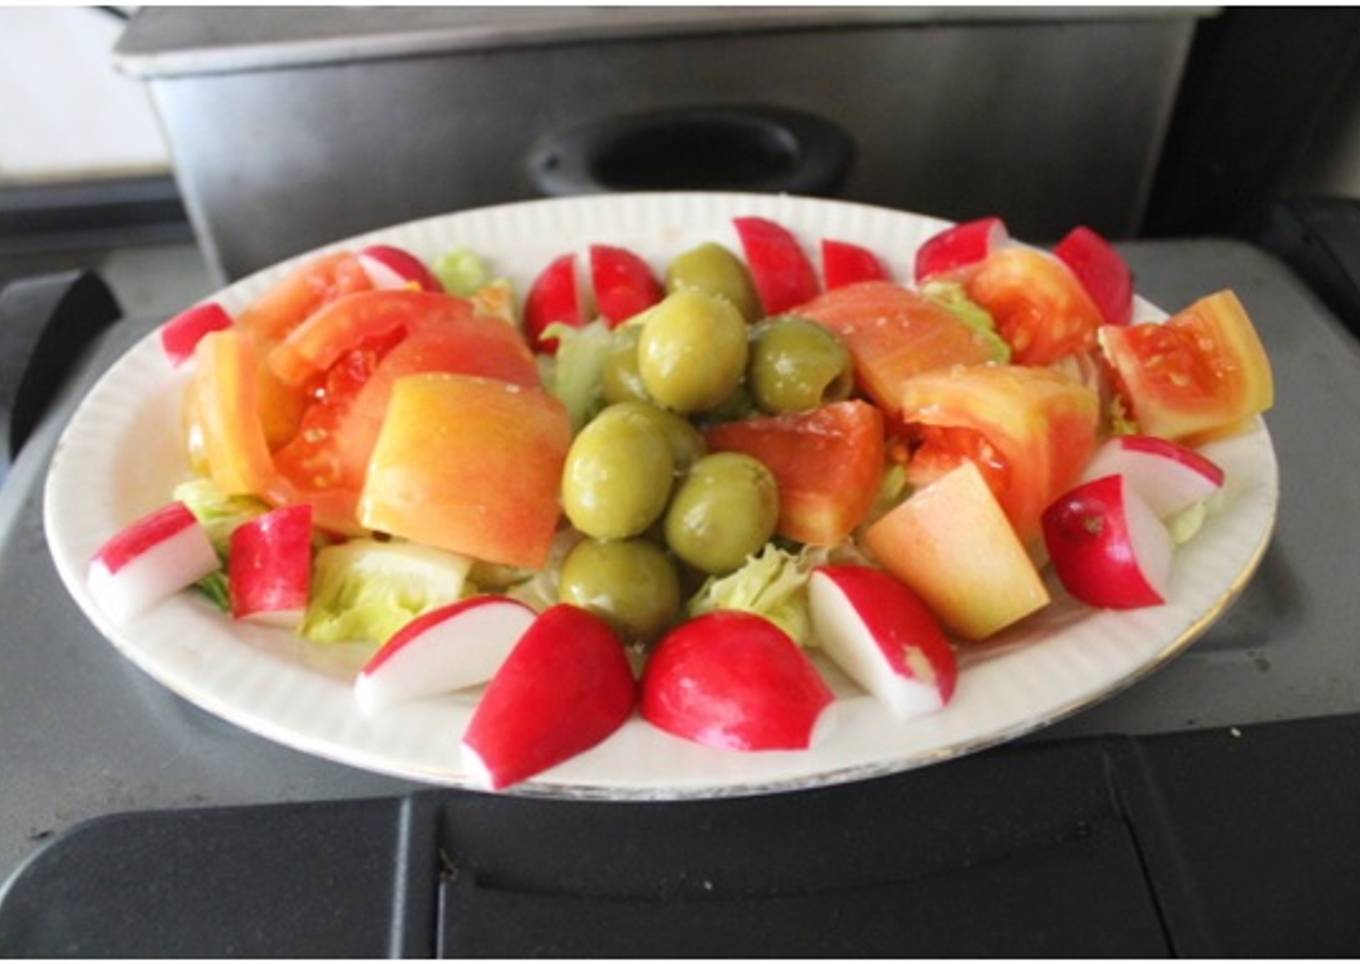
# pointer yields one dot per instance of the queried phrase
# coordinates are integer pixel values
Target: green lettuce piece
(1122, 421)
(772, 584)
(461, 272)
(539, 591)
(893, 490)
(364, 590)
(218, 512)
(215, 586)
(951, 296)
(578, 376)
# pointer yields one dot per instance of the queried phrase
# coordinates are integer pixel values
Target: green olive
(618, 475)
(687, 445)
(633, 584)
(714, 270)
(724, 511)
(692, 352)
(735, 407)
(621, 379)
(796, 365)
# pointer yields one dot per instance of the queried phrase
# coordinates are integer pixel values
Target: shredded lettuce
(539, 591)
(1185, 524)
(772, 584)
(496, 299)
(577, 378)
(951, 296)
(365, 590)
(1122, 421)
(461, 272)
(218, 512)
(215, 586)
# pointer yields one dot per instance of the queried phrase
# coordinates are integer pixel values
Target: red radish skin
(1101, 271)
(883, 637)
(783, 274)
(960, 246)
(1107, 546)
(1168, 477)
(270, 566)
(734, 681)
(389, 267)
(445, 650)
(153, 558)
(846, 264)
(553, 298)
(182, 333)
(565, 687)
(624, 284)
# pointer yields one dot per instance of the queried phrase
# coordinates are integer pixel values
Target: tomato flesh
(1101, 271)
(1203, 369)
(845, 264)
(783, 274)
(317, 344)
(1039, 430)
(828, 464)
(1039, 306)
(316, 283)
(892, 334)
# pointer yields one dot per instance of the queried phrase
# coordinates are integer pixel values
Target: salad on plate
(655, 492)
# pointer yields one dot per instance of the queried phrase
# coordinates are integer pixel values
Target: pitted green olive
(632, 583)
(692, 352)
(618, 475)
(797, 365)
(714, 270)
(725, 510)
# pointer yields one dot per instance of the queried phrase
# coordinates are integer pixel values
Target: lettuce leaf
(461, 272)
(218, 512)
(772, 584)
(951, 296)
(578, 376)
(365, 590)
(218, 590)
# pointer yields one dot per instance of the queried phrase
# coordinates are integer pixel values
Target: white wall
(65, 113)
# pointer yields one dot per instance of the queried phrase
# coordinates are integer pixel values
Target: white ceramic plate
(120, 457)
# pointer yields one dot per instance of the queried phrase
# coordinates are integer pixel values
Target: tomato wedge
(828, 463)
(341, 326)
(624, 285)
(960, 246)
(1203, 369)
(224, 408)
(317, 282)
(1030, 431)
(553, 298)
(844, 264)
(893, 333)
(1101, 271)
(471, 465)
(467, 346)
(1039, 306)
(783, 274)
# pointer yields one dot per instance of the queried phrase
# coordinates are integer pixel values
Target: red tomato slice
(471, 465)
(1039, 306)
(783, 275)
(1101, 271)
(624, 285)
(960, 246)
(553, 298)
(893, 333)
(470, 346)
(224, 404)
(844, 264)
(343, 325)
(318, 282)
(1202, 370)
(1030, 431)
(828, 464)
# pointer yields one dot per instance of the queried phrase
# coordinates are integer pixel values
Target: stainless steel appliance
(294, 127)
